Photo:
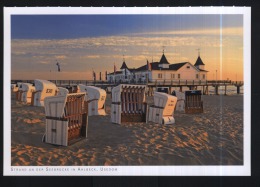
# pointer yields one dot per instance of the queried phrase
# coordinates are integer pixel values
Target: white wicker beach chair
(162, 110)
(180, 106)
(128, 104)
(73, 89)
(19, 92)
(66, 119)
(193, 102)
(62, 91)
(26, 92)
(98, 98)
(14, 87)
(43, 88)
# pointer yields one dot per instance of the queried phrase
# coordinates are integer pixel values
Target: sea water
(231, 90)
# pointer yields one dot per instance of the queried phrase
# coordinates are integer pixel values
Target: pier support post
(180, 88)
(216, 90)
(225, 90)
(207, 90)
(203, 90)
(238, 89)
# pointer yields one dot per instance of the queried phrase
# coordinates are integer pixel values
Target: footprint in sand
(108, 162)
(29, 121)
(19, 119)
(21, 152)
(152, 140)
(183, 135)
(204, 136)
(122, 148)
(197, 119)
(207, 121)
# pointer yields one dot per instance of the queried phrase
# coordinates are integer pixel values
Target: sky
(86, 43)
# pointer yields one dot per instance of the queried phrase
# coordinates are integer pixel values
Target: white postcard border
(244, 170)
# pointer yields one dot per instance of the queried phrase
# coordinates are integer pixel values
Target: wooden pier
(170, 84)
(193, 85)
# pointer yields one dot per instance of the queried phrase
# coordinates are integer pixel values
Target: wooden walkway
(193, 85)
(170, 84)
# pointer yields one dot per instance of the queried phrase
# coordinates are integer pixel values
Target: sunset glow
(83, 43)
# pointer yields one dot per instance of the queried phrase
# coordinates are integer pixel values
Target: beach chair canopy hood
(165, 101)
(27, 89)
(14, 87)
(43, 88)
(43, 85)
(97, 96)
(162, 110)
(180, 106)
(62, 91)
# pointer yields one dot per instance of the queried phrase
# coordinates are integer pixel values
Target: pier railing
(192, 84)
(157, 82)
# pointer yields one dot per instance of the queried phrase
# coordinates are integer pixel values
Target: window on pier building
(159, 75)
(179, 76)
(173, 76)
(203, 76)
(197, 76)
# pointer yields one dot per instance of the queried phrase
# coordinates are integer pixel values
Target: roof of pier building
(156, 66)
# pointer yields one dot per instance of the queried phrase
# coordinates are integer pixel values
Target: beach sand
(214, 137)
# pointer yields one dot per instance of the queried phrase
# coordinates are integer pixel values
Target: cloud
(235, 31)
(139, 58)
(53, 75)
(60, 57)
(90, 57)
(119, 44)
(101, 53)
(18, 53)
(43, 62)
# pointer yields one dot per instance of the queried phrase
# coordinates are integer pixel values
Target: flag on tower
(114, 68)
(148, 65)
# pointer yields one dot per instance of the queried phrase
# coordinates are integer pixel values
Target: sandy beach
(214, 137)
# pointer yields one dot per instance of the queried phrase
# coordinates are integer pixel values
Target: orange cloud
(216, 31)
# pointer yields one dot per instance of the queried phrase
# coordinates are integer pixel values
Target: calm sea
(231, 90)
